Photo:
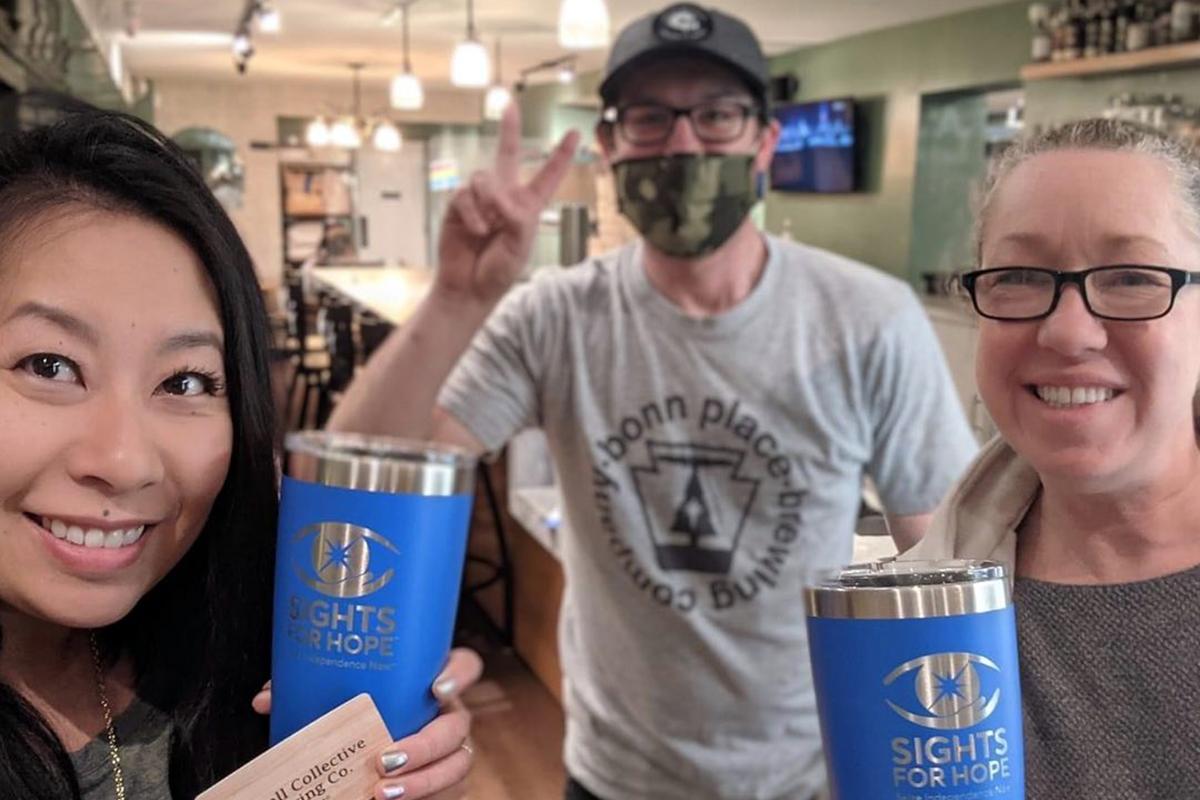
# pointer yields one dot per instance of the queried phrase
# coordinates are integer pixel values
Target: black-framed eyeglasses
(714, 121)
(1128, 292)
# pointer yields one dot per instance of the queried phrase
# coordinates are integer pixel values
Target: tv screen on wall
(817, 148)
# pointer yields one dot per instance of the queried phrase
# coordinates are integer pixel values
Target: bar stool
(308, 352)
(338, 324)
(372, 332)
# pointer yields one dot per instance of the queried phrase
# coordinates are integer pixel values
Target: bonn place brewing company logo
(952, 689)
(339, 559)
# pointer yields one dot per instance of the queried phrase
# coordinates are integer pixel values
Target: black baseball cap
(687, 29)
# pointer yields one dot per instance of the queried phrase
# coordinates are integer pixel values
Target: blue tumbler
(371, 542)
(917, 681)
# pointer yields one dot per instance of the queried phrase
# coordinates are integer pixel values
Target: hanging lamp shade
(269, 19)
(469, 68)
(345, 134)
(407, 93)
(387, 137)
(497, 99)
(583, 24)
(316, 134)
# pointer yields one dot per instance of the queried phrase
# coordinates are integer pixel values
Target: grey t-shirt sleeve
(495, 387)
(921, 441)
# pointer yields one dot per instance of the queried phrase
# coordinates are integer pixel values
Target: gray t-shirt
(144, 744)
(709, 468)
(1110, 681)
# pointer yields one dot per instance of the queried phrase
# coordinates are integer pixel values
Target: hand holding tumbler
(371, 542)
(917, 681)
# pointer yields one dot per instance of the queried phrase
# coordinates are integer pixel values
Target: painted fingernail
(393, 791)
(445, 687)
(393, 760)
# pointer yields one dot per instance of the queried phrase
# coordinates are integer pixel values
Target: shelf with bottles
(1080, 38)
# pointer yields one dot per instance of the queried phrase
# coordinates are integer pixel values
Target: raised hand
(491, 222)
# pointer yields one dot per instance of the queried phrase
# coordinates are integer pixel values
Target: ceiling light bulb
(583, 24)
(345, 134)
(407, 93)
(317, 133)
(241, 45)
(387, 137)
(497, 99)
(469, 67)
(269, 19)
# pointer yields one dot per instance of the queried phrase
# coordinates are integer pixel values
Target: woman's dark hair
(200, 639)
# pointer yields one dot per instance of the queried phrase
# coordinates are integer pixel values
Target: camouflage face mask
(687, 205)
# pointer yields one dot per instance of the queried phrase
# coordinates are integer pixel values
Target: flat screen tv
(817, 148)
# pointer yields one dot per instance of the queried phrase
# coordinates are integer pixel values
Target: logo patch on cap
(683, 23)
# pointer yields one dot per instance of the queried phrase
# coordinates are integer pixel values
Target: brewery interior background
(304, 117)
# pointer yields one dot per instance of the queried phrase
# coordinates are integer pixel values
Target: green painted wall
(887, 72)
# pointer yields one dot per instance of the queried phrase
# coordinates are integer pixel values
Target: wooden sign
(332, 758)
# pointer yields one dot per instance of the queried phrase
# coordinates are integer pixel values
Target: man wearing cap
(712, 398)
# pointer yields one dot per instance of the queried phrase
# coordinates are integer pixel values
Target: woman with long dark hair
(138, 492)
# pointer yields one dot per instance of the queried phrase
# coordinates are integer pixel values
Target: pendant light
(316, 134)
(583, 24)
(469, 66)
(498, 97)
(269, 18)
(407, 94)
(345, 131)
(387, 137)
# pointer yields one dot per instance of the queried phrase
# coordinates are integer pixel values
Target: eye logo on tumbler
(339, 560)
(951, 689)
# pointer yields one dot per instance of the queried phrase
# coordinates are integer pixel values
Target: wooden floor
(516, 733)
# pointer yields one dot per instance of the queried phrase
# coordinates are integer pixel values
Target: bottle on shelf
(1108, 27)
(1076, 30)
(1091, 29)
(1183, 21)
(1161, 25)
(1041, 47)
(1138, 35)
(1121, 22)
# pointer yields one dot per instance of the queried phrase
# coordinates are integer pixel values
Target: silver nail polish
(443, 688)
(393, 760)
(392, 792)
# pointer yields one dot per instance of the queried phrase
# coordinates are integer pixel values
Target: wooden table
(393, 293)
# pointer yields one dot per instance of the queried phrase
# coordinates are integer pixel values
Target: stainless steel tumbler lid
(892, 589)
(379, 463)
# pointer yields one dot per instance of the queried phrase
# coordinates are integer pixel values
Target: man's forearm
(396, 392)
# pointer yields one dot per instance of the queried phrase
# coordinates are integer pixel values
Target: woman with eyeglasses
(1089, 362)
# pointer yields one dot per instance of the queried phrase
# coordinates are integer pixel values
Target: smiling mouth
(1073, 396)
(90, 538)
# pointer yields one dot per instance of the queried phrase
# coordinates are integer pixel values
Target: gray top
(1111, 688)
(144, 741)
(710, 468)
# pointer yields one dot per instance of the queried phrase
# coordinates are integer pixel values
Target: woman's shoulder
(979, 516)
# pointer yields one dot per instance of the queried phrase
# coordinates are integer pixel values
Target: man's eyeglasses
(1121, 292)
(715, 122)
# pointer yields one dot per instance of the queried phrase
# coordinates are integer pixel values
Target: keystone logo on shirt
(693, 502)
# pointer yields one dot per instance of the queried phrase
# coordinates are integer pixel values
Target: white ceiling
(321, 37)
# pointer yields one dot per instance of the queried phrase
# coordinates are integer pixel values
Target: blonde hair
(1181, 159)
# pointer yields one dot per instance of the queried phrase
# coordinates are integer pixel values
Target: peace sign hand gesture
(489, 227)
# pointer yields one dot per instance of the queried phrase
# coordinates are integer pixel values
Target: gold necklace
(114, 754)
